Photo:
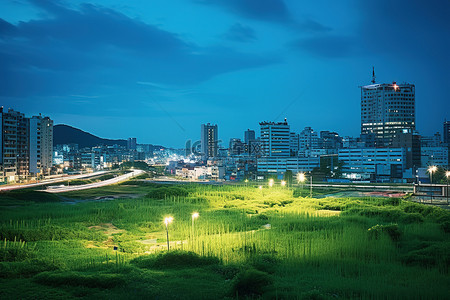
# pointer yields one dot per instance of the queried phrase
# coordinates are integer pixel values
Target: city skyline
(231, 63)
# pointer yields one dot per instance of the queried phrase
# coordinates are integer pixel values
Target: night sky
(156, 70)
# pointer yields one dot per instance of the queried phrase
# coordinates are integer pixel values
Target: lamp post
(195, 215)
(431, 169)
(167, 221)
(310, 191)
(447, 174)
(301, 178)
(270, 182)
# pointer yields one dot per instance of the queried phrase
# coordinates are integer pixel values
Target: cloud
(266, 10)
(240, 33)
(72, 51)
(408, 29)
(274, 11)
(329, 46)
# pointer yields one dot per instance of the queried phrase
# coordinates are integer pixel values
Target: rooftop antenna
(373, 75)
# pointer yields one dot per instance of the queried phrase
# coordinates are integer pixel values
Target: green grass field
(247, 243)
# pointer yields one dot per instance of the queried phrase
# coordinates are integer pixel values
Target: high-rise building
(249, 135)
(293, 143)
(237, 147)
(308, 139)
(330, 140)
(9, 145)
(131, 144)
(386, 110)
(275, 139)
(40, 145)
(446, 132)
(209, 140)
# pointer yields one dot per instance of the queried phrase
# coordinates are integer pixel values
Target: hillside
(65, 134)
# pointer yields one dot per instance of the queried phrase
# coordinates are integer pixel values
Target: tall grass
(309, 247)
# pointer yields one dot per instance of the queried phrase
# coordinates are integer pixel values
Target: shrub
(105, 281)
(132, 247)
(251, 283)
(391, 230)
(412, 218)
(265, 263)
(175, 259)
(391, 201)
(163, 192)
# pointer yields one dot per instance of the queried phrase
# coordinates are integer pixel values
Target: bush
(251, 283)
(132, 247)
(32, 196)
(391, 230)
(164, 192)
(49, 232)
(105, 281)
(412, 218)
(265, 263)
(175, 259)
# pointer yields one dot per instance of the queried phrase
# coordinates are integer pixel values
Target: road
(49, 181)
(114, 180)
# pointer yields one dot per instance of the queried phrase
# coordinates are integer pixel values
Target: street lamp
(167, 221)
(301, 178)
(310, 192)
(195, 215)
(431, 169)
(270, 182)
(447, 174)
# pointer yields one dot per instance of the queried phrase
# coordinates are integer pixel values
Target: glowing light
(301, 177)
(395, 86)
(246, 180)
(270, 182)
(283, 183)
(432, 169)
(168, 220)
(260, 187)
(447, 174)
(195, 215)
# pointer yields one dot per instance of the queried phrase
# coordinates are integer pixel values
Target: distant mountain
(65, 134)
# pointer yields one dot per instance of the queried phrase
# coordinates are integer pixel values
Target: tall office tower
(249, 135)
(330, 140)
(386, 110)
(308, 139)
(40, 145)
(14, 156)
(9, 149)
(23, 154)
(275, 139)
(411, 142)
(293, 143)
(209, 140)
(237, 147)
(446, 132)
(131, 144)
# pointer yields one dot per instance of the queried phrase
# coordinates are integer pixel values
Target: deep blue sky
(156, 70)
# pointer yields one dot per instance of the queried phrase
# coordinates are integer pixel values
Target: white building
(387, 109)
(308, 139)
(365, 163)
(279, 165)
(275, 139)
(434, 156)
